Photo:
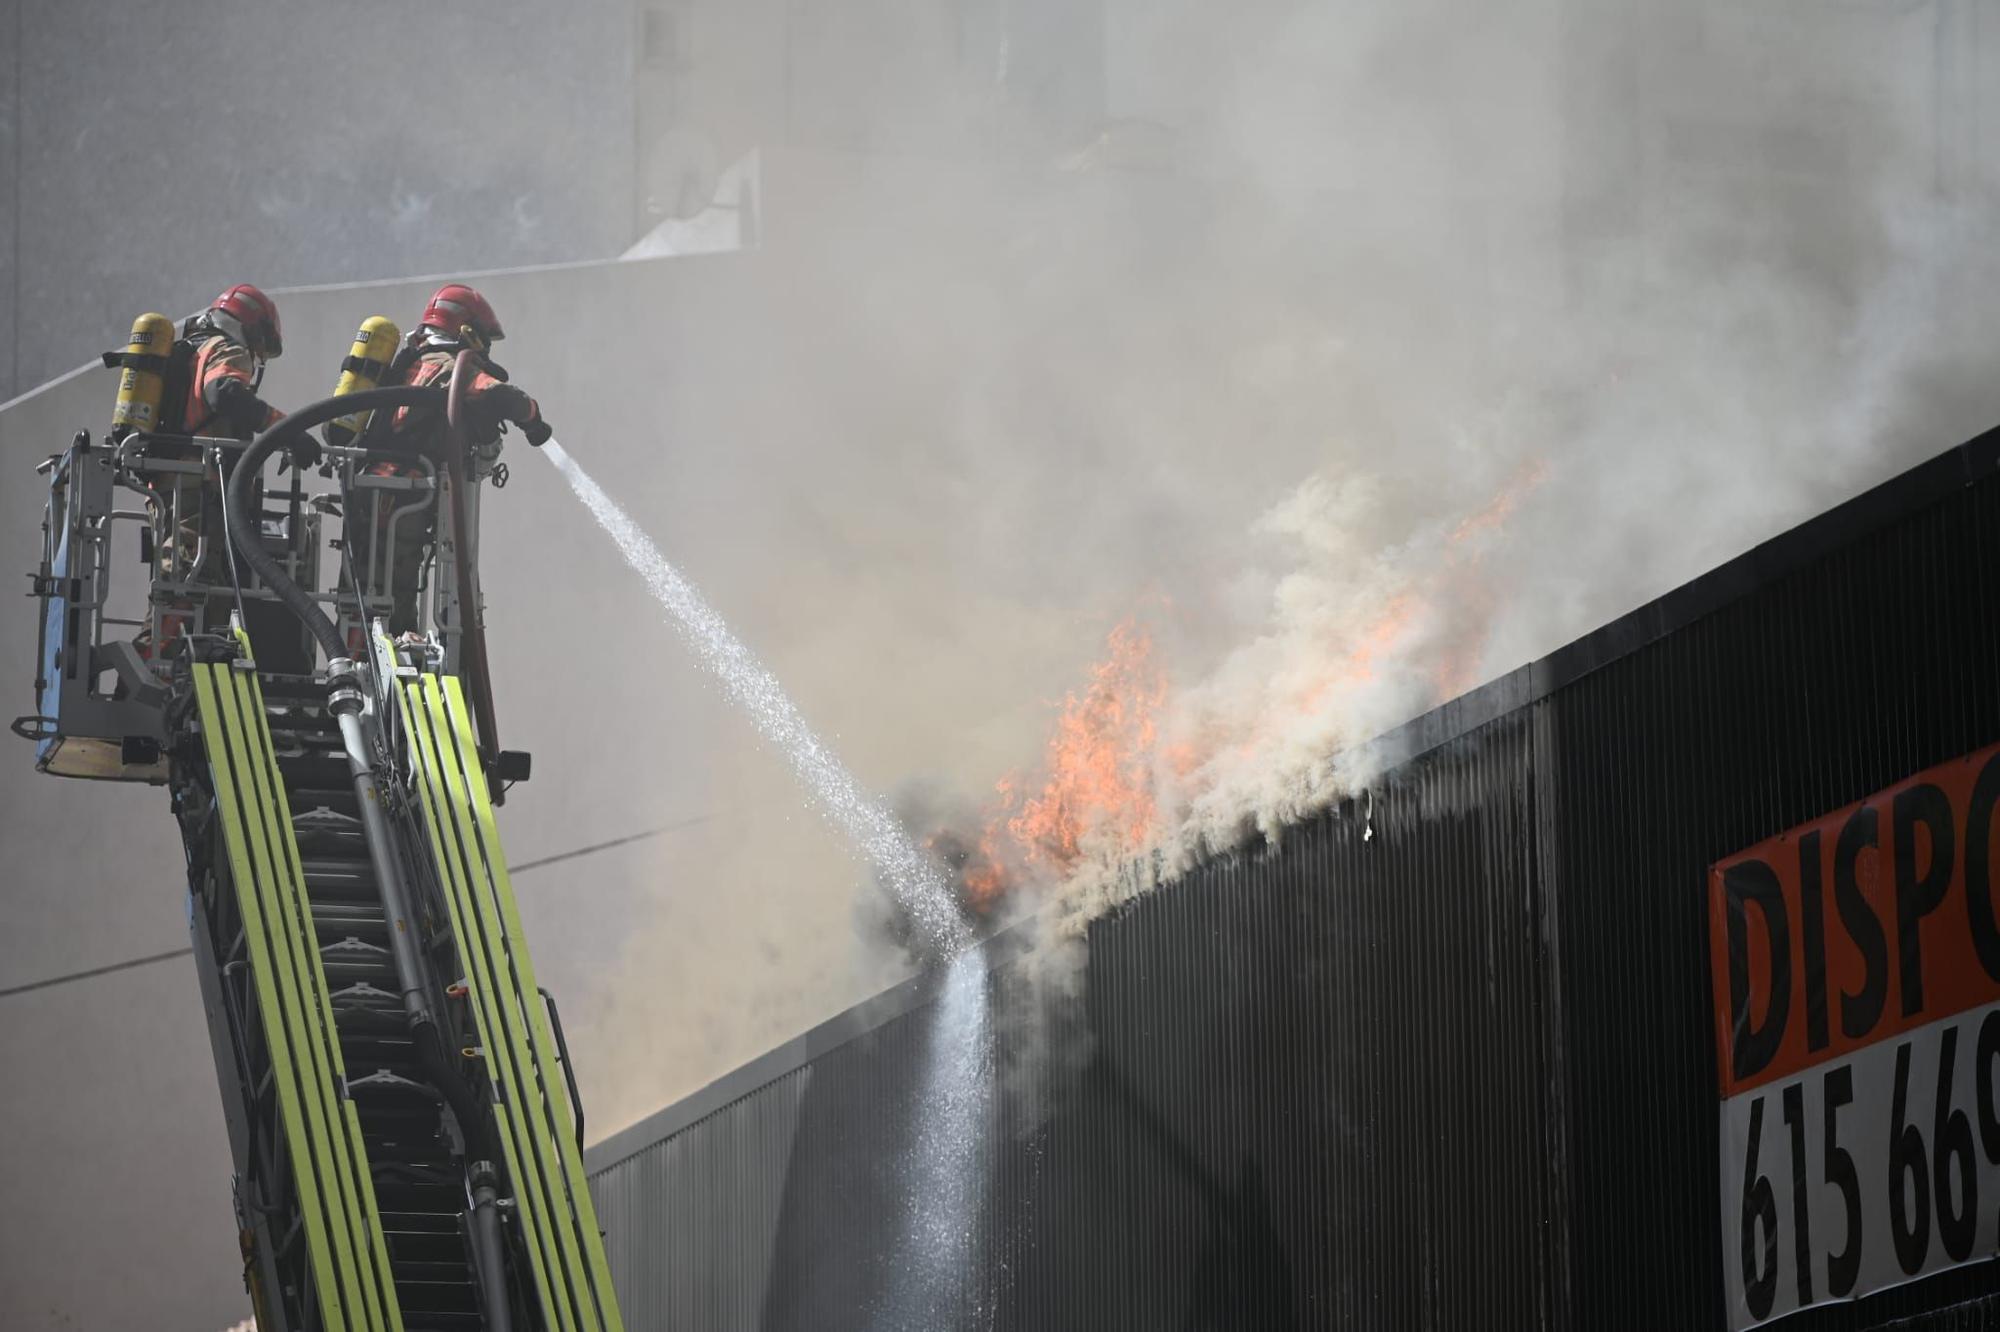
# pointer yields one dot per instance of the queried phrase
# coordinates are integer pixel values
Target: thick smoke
(1362, 354)
(1227, 318)
(1508, 440)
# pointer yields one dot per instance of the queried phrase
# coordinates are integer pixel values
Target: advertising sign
(1856, 968)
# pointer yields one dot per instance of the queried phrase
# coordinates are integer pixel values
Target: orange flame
(1097, 789)
(1097, 773)
(1361, 661)
(1453, 582)
(1501, 507)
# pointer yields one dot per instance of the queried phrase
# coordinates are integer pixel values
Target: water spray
(943, 1180)
(916, 881)
(945, 1177)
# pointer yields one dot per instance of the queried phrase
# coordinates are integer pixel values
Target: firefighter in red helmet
(211, 390)
(205, 386)
(457, 317)
(227, 346)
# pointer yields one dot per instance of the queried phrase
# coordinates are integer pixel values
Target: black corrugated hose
(246, 533)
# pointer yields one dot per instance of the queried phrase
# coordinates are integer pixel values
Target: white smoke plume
(1363, 353)
(1732, 384)
(1225, 316)
(1645, 452)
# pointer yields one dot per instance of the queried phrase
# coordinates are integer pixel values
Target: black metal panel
(1442, 1060)
(1811, 692)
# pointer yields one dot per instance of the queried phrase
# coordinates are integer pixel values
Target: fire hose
(472, 617)
(244, 530)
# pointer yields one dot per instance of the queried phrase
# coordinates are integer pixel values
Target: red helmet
(255, 316)
(454, 306)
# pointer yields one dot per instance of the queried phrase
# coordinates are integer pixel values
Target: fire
(1098, 789)
(1099, 759)
(1361, 661)
(1501, 507)
(1096, 780)
(1451, 586)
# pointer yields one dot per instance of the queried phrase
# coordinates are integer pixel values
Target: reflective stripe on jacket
(218, 362)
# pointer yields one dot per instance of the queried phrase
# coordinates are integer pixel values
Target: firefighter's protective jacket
(221, 395)
(489, 400)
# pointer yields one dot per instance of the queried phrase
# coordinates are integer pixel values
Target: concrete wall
(156, 152)
(152, 153)
(1811, 140)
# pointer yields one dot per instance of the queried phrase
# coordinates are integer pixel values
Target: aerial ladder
(402, 1111)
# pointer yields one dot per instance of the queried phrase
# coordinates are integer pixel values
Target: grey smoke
(1324, 284)
(1012, 358)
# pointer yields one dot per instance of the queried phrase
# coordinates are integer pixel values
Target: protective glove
(307, 453)
(244, 412)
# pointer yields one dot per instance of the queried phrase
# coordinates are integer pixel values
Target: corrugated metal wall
(690, 1223)
(1443, 1061)
(1815, 689)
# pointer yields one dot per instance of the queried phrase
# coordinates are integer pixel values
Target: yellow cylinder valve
(367, 362)
(142, 374)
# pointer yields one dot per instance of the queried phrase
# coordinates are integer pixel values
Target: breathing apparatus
(367, 363)
(142, 377)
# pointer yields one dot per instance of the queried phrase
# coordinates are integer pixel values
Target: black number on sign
(1760, 1208)
(1951, 1140)
(1842, 1267)
(1912, 1230)
(1982, 1076)
(1982, 1071)
(1795, 1119)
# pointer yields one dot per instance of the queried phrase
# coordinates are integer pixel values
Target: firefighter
(210, 389)
(228, 345)
(456, 318)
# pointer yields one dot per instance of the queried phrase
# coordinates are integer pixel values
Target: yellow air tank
(142, 374)
(367, 361)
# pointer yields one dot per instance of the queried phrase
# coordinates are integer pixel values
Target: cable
(229, 541)
(94, 971)
(523, 868)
